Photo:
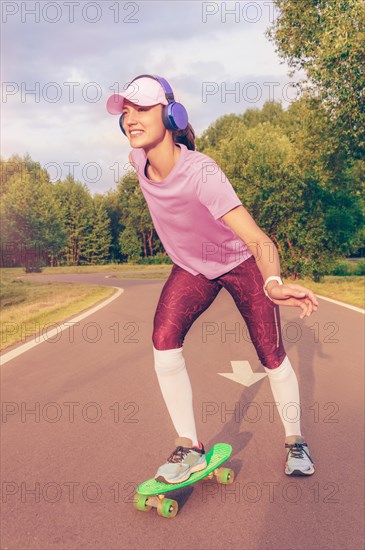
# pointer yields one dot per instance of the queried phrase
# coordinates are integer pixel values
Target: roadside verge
(8, 356)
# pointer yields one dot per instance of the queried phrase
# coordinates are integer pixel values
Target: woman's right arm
(267, 259)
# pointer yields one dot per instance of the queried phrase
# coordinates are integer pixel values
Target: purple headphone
(174, 115)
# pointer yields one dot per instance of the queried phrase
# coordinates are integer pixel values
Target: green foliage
(31, 220)
(272, 112)
(229, 125)
(114, 211)
(342, 268)
(159, 258)
(86, 223)
(130, 245)
(135, 214)
(348, 268)
(101, 238)
(211, 137)
(303, 188)
(326, 39)
(77, 215)
(18, 166)
(360, 267)
(295, 180)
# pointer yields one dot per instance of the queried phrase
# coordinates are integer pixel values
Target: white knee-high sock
(285, 389)
(176, 390)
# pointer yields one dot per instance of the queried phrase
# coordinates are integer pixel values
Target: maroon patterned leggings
(185, 296)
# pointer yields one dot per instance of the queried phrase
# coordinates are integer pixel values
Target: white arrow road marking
(243, 374)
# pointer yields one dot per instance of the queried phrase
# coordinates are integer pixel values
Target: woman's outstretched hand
(294, 295)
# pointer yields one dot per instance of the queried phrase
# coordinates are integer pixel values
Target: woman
(213, 243)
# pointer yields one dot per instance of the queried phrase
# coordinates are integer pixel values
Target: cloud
(202, 47)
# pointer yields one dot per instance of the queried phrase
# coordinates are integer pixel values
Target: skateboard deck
(151, 493)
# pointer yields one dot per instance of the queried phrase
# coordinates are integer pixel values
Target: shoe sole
(299, 472)
(197, 468)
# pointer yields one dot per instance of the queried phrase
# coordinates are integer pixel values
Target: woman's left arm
(267, 259)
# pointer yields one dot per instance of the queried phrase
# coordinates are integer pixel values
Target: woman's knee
(164, 339)
(272, 359)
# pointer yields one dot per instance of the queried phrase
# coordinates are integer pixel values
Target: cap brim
(115, 103)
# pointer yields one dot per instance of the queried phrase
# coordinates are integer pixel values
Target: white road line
(60, 328)
(354, 308)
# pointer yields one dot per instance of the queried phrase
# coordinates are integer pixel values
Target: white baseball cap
(144, 91)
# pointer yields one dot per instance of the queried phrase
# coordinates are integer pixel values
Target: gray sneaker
(182, 462)
(298, 460)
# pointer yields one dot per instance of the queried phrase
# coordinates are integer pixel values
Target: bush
(360, 267)
(159, 258)
(343, 268)
(34, 266)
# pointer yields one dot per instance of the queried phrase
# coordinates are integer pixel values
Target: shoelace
(296, 450)
(178, 454)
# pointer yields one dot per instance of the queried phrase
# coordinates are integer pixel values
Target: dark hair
(187, 137)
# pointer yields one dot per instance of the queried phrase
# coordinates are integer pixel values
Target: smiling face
(143, 125)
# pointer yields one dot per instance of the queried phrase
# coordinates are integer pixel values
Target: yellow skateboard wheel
(140, 503)
(167, 508)
(225, 476)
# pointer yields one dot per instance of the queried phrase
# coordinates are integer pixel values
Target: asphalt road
(83, 424)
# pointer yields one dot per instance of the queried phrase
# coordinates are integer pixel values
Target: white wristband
(272, 278)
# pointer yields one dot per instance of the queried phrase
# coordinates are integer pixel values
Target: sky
(61, 61)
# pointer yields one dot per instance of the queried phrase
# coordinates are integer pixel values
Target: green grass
(28, 306)
(350, 290)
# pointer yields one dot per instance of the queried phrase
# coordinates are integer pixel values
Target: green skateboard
(151, 493)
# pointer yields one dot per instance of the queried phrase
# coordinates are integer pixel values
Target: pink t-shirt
(185, 209)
